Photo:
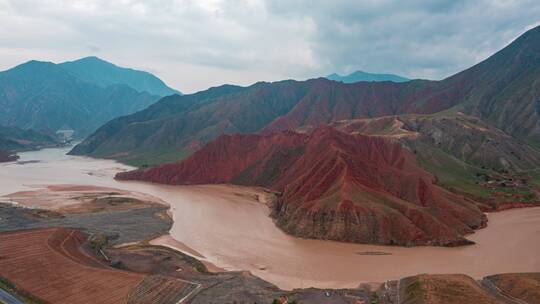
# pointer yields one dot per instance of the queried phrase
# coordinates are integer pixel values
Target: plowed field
(50, 264)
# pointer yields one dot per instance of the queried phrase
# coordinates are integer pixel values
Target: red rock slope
(333, 185)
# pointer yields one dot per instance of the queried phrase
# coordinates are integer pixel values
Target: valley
(240, 235)
(264, 182)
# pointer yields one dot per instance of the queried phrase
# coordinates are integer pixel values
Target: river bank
(229, 227)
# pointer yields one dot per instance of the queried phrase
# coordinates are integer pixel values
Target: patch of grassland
(453, 174)
(415, 292)
(535, 180)
(143, 160)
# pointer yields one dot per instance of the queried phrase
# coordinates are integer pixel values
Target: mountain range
(348, 161)
(82, 94)
(500, 91)
(365, 76)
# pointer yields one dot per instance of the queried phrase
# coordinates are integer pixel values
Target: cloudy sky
(195, 44)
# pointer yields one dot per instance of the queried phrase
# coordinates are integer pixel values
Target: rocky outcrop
(7, 156)
(333, 185)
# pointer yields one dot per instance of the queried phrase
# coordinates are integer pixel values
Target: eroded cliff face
(357, 188)
(333, 185)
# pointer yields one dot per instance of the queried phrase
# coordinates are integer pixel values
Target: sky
(196, 44)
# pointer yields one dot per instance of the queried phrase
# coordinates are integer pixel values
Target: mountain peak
(45, 96)
(103, 73)
(35, 63)
(360, 75)
(35, 68)
(93, 59)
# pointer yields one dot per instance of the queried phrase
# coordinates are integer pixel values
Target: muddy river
(228, 227)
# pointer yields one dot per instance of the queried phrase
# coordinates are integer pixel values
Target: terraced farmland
(160, 289)
(51, 265)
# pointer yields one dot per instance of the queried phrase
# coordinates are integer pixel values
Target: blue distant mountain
(45, 96)
(16, 139)
(364, 76)
(97, 71)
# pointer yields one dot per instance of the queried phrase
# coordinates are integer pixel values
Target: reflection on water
(234, 231)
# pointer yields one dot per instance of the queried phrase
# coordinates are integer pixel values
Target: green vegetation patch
(415, 292)
(452, 173)
(150, 159)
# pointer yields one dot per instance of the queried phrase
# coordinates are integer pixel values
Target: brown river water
(228, 227)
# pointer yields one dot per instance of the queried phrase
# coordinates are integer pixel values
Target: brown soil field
(522, 286)
(73, 199)
(443, 289)
(52, 265)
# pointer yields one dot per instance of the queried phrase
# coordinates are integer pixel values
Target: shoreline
(257, 197)
(168, 241)
(229, 225)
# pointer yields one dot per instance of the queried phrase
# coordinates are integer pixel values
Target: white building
(65, 133)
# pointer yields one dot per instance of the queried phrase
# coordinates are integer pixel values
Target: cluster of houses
(65, 134)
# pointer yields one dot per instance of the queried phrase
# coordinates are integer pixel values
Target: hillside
(464, 153)
(44, 96)
(13, 139)
(444, 289)
(16, 139)
(502, 91)
(333, 185)
(176, 126)
(521, 286)
(365, 76)
(104, 74)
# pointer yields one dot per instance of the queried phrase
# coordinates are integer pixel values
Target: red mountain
(333, 185)
(502, 91)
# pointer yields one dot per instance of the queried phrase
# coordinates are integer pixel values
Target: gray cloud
(424, 39)
(194, 44)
